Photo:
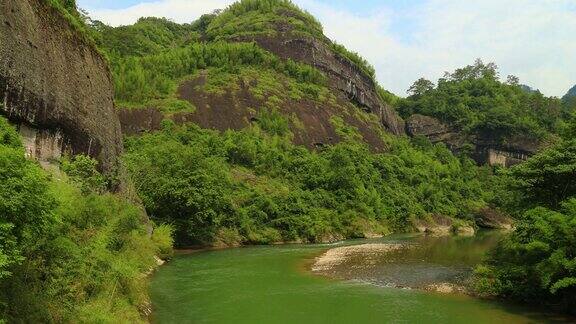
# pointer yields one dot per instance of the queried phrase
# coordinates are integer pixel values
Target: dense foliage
(261, 17)
(537, 262)
(148, 36)
(254, 186)
(139, 80)
(68, 251)
(473, 100)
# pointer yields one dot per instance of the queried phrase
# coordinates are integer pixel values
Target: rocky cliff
(482, 148)
(344, 76)
(55, 85)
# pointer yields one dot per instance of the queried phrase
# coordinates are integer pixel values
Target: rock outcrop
(237, 108)
(434, 130)
(493, 219)
(483, 148)
(357, 102)
(344, 76)
(55, 85)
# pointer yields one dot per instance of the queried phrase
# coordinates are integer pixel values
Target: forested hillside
(476, 103)
(252, 183)
(254, 186)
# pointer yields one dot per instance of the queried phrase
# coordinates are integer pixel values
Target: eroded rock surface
(483, 148)
(493, 219)
(56, 85)
(343, 75)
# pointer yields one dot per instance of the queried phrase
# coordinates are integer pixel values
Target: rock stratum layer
(56, 86)
(484, 148)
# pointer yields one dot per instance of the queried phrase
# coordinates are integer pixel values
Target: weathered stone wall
(56, 85)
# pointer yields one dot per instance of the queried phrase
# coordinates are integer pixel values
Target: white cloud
(181, 11)
(528, 38)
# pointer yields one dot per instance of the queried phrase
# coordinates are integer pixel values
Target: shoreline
(325, 263)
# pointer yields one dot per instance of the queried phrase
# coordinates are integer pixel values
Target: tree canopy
(474, 100)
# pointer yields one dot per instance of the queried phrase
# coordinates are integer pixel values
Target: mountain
(570, 94)
(225, 69)
(569, 100)
(473, 112)
(528, 88)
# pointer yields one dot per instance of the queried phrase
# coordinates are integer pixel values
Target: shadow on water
(274, 285)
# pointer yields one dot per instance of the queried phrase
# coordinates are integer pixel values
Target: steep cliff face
(55, 85)
(482, 148)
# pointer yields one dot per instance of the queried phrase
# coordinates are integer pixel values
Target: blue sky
(409, 39)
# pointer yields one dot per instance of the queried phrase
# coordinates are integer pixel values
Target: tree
(420, 87)
(547, 179)
(513, 80)
(536, 263)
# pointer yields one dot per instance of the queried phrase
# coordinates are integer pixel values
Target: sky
(409, 39)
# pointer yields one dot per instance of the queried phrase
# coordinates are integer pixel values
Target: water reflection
(419, 262)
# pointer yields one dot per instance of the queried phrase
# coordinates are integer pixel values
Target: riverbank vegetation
(69, 251)
(537, 262)
(255, 186)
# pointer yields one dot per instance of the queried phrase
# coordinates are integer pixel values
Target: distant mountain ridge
(570, 94)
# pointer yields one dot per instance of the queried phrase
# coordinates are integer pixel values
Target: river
(275, 284)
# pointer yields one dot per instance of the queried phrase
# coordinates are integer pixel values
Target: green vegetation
(262, 17)
(536, 263)
(139, 80)
(69, 252)
(148, 36)
(267, 85)
(473, 100)
(356, 59)
(254, 186)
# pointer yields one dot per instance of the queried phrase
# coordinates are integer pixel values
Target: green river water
(275, 285)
